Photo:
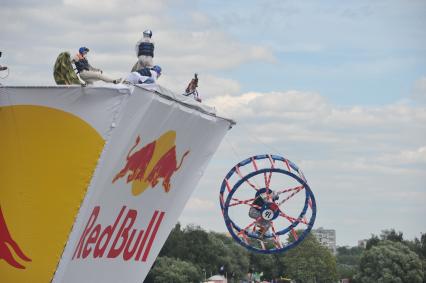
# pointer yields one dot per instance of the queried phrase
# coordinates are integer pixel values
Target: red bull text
(112, 242)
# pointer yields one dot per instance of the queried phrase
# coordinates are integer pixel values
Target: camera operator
(2, 68)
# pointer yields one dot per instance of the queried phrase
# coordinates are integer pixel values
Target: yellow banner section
(47, 158)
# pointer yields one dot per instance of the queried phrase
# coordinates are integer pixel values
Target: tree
(346, 271)
(347, 261)
(192, 244)
(391, 235)
(172, 247)
(373, 241)
(265, 263)
(207, 251)
(210, 251)
(419, 247)
(389, 262)
(235, 258)
(349, 256)
(310, 262)
(173, 270)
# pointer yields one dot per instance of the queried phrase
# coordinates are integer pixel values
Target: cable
(233, 148)
(259, 140)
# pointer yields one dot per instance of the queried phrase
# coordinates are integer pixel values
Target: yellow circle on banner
(162, 145)
(47, 158)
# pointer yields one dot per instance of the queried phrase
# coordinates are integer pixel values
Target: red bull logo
(154, 161)
(8, 245)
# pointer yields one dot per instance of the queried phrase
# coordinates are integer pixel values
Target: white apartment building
(327, 237)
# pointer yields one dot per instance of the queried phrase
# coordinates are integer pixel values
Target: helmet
(147, 33)
(83, 50)
(157, 69)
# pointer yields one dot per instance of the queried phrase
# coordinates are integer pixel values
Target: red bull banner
(93, 179)
(50, 142)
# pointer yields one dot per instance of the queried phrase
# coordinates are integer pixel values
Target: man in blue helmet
(261, 199)
(88, 73)
(144, 75)
(145, 51)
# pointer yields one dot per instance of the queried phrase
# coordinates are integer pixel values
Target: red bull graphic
(125, 242)
(8, 245)
(154, 161)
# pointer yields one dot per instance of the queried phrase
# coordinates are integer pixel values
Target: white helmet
(147, 33)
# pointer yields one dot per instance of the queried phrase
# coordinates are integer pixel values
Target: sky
(337, 87)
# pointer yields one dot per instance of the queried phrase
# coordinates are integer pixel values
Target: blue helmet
(83, 50)
(147, 33)
(157, 69)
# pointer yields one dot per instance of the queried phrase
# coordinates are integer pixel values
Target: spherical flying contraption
(267, 204)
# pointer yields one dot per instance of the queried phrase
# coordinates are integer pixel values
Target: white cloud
(406, 157)
(212, 86)
(201, 19)
(207, 50)
(231, 106)
(122, 7)
(313, 110)
(197, 204)
(111, 30)
(351, 151)
(290, 104)
(299, 47)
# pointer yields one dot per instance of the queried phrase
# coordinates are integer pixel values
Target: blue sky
(338, 87)
(330, 46)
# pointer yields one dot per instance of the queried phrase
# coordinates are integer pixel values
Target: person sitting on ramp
(88, 73)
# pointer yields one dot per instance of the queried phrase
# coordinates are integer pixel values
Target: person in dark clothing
(2, 68)
(145, 51)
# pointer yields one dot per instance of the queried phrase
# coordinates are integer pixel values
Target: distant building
(362, 243)
(327, 237)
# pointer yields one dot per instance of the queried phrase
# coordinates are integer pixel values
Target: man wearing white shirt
(144, 75)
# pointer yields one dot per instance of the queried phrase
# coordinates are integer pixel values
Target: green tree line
(386, 258)
(191, 254)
